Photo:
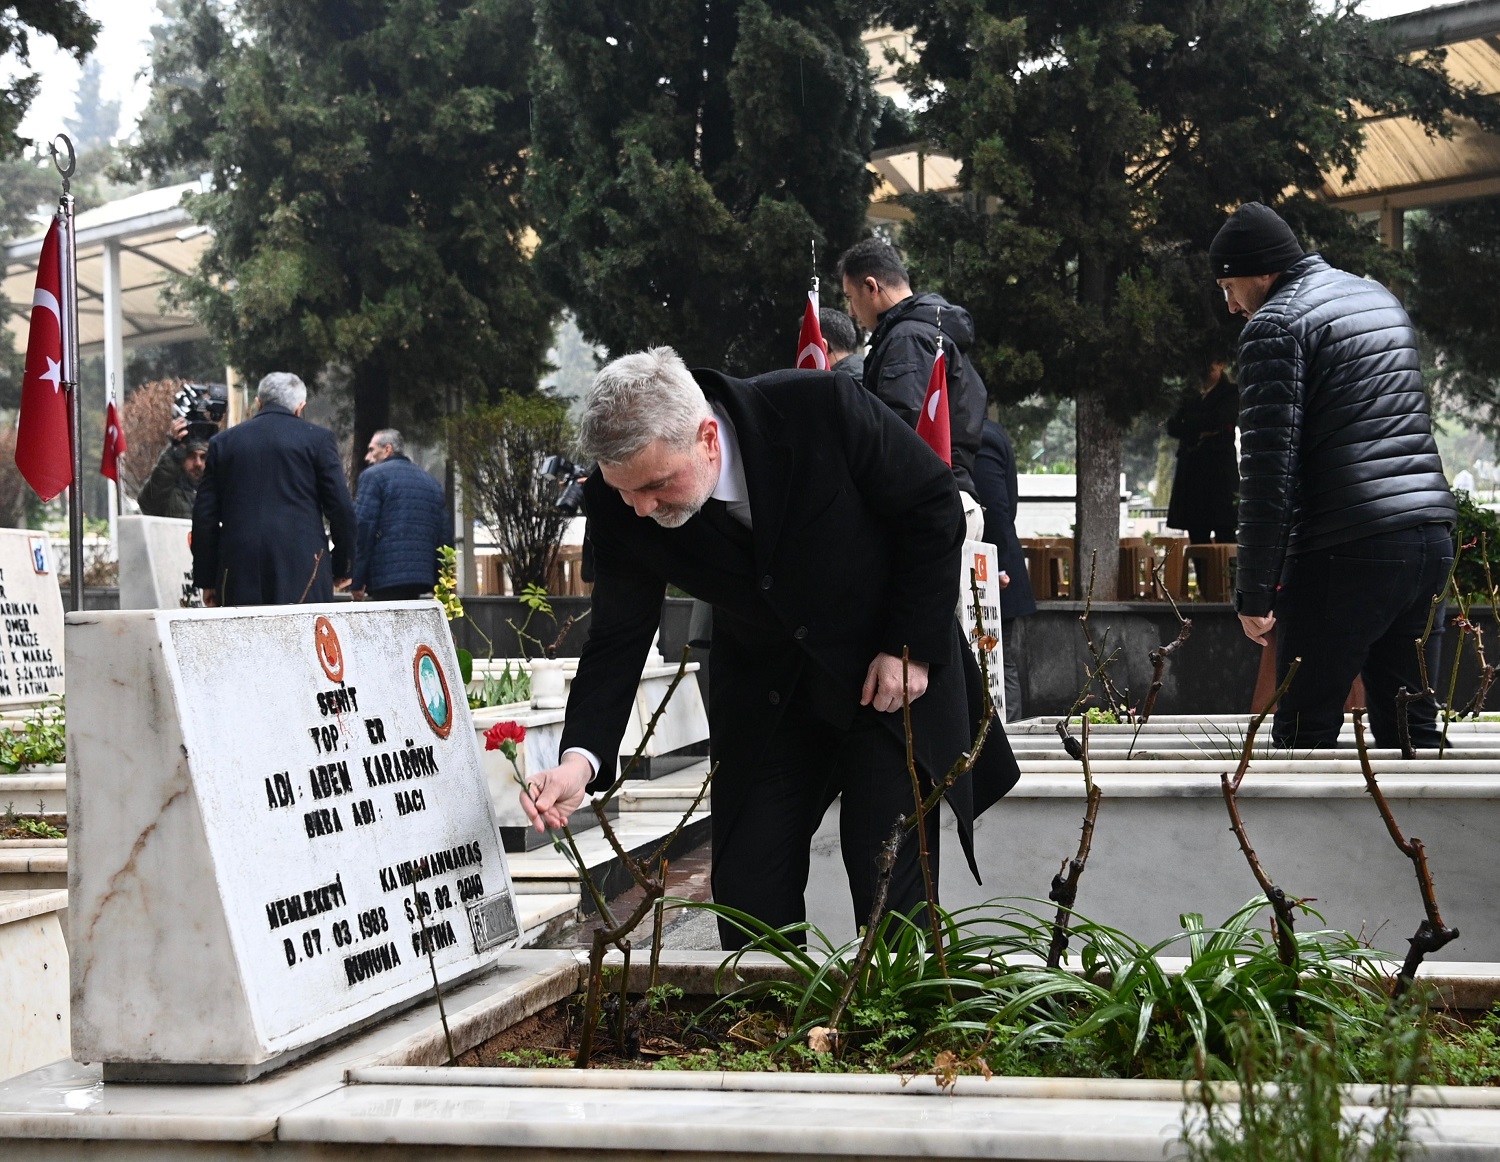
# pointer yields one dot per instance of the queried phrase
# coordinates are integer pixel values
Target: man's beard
(674, 516)
(677, 515)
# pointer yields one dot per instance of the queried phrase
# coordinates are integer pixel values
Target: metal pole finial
(72, 164)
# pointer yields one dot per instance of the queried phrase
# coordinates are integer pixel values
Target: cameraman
(173, 483)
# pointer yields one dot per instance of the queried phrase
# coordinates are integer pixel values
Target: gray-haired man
(268, 485)
(826, 536)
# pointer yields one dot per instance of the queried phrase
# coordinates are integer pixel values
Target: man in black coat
(268, 485)
(995, 476)
(827, 538)
(905, 332)
(1345, 519)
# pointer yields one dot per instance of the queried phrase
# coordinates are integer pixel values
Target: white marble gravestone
(156, 563)
(267, 805)
(980, 566)
(31, 619)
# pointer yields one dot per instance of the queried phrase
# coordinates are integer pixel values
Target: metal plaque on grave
(980, 568)
(321, 833)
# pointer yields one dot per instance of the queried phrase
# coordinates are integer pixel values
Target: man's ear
(708, 432)
(300, 408)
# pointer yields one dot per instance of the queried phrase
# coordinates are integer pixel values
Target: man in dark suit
(995, 477)
(268, 485)
(827, 538)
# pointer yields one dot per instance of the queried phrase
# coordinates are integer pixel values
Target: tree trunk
(372, 411)
(1097, 515)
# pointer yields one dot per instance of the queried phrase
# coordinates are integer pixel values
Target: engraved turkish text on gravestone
(344, 807)
(31, 618)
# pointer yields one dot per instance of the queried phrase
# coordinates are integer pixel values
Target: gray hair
(636, 400)
(283, 389)
(391, 439)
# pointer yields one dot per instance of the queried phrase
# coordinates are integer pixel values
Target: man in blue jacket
(403, 521)
(268, 485)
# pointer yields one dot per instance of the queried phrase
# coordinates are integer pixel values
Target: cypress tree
(688, 152)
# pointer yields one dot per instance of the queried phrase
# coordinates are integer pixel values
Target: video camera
(202, 405)
(571, 477)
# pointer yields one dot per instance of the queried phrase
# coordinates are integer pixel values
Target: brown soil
(682, 1033)
(10, 828)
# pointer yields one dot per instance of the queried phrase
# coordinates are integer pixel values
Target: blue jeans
(1357, 609)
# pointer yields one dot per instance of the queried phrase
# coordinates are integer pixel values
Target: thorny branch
(1404, 698)
(1159, 657)
(1432, 933)
(1064, 891)
(1283, 927)
(651, 882)
(1114, 700)
(885, 859)
(929, 888)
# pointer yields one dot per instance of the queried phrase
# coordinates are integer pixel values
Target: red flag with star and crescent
(44, 452)
(932, 424)
(812, 352)
(114, 440)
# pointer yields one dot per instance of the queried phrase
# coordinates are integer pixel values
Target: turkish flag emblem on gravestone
(44, 452)
(932, 424)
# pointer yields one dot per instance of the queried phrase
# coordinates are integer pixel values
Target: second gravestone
(277, 815)
(156, 563)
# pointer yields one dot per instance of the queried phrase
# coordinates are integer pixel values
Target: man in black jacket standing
(268, 485)
(827, 538)
(1345, 519)
(904, 335)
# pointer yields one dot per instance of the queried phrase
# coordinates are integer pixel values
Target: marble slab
(268, 807)
(33, 980)
(156, 563)
(31, 620)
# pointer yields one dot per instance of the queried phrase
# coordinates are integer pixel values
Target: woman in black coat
(1207, 482)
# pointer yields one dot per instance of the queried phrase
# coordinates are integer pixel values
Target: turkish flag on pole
(932, 424)
(114, 441)
(44, 452)
(812, 352)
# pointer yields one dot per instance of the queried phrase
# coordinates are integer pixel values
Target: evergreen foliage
(367, 158)
(687, 153)
(1456, 254)
(67, 23)
(1102, 145)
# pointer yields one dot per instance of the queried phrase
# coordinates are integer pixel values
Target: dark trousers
(1202, 534)
(1356, 610)
(1010, 639)
(766, 810)
(399, 592)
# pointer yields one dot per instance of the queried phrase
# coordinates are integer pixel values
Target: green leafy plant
(37, 828)
(40, 740)
(1292, 1104)
(998, 1004)
(501, 689)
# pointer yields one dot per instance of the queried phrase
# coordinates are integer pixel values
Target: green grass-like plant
(1115, 1009)
(40, 740)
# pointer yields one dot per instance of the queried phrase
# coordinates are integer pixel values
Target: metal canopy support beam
(114, 360)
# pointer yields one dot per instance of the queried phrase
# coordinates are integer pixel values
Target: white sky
(123, 47)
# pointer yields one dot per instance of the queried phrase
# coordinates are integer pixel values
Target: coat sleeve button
(775, 698)
(765, 582)
(800, 632)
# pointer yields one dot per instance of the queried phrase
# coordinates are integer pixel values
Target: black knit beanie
(1255, 240)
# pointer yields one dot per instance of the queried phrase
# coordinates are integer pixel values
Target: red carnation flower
(497, 736)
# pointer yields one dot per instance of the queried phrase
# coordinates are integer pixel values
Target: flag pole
(68, 258)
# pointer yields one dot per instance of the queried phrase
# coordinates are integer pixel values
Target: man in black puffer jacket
(904, 331)
(1345, 519)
